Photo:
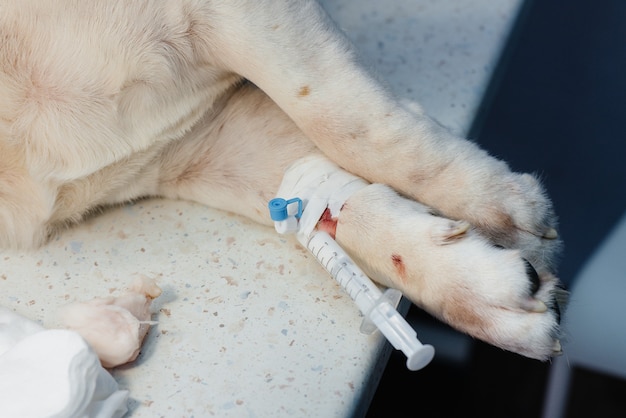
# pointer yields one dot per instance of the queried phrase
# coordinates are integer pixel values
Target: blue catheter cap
(278, 208)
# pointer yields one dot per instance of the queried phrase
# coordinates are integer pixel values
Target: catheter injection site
(378, 308)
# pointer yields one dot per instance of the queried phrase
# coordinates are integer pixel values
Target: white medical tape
(320, 184)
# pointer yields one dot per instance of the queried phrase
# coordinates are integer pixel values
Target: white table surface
(249, 325)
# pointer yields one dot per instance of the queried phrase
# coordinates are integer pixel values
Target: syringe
(378, 308)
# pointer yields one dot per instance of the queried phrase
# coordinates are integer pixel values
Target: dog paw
(520, 215)
(510, 209)
(452, 271)
(463, 182)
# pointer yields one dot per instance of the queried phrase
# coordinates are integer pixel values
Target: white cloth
(52, 373)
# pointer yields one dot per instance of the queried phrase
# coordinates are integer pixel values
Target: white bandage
(320, 184)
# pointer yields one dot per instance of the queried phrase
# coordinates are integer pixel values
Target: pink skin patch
(327, 223)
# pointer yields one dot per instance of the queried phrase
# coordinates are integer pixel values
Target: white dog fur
(102, 102)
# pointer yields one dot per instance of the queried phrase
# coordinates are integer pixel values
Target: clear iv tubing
(378, 308)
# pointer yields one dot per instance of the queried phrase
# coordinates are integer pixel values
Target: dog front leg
(445, 267)
(294, 52)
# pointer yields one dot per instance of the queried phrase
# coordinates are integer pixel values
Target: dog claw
(450, 232)
(534, 305)
(556, 348)
(551, 234)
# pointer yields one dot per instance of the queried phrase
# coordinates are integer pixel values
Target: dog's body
(102, 102)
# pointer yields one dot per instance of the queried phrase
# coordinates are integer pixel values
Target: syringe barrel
(334, 259)
(373, 305)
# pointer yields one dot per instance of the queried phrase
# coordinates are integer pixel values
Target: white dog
(105, 101)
